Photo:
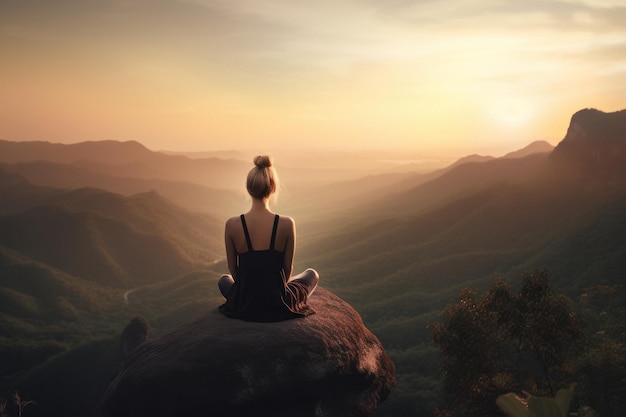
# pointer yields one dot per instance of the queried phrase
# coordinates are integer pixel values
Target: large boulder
(326, 364)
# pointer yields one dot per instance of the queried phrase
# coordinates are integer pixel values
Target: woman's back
(260, 248)
(261, 291)
(260, 226)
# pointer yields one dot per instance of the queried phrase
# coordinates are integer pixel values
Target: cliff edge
(327, 364)
(594, 146)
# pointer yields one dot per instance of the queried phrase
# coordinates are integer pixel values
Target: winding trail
(126, 294)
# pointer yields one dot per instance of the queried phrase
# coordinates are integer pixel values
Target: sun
(510, 112)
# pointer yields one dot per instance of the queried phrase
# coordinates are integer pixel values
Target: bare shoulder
(233, 219)
(286, 226)
(287, 222)
(232, 222)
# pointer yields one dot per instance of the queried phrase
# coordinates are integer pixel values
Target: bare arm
(290, 248)
(231, 252)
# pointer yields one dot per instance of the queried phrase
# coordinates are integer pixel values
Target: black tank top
(261, 291)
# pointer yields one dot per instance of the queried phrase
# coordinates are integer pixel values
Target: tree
(505, 342)
(601, 366)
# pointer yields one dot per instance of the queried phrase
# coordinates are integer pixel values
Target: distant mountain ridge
(204, 184)
(539, 146)
(105, 151)
(218, 202)
(128, 159)
(584, 154)
(374, 192)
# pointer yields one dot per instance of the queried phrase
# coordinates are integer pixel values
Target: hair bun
(263, 161)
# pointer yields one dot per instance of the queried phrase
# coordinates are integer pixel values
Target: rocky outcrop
(327, 364)
(594, 147)
(134, 334)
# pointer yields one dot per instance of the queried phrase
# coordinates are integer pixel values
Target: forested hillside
(564, 213)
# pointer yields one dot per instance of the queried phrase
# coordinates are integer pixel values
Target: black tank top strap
(245, 231)
(274, 232)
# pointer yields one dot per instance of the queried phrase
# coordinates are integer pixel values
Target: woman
(260, 247)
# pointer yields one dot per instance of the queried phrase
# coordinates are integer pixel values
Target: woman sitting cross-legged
(260, 248)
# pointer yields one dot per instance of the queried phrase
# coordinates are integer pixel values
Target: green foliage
(601, 366)
(505, 341)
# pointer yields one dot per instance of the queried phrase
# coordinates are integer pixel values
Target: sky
(430, 76)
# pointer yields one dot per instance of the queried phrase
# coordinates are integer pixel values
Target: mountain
(507, 208)
(31, 291)
(465, 176)
(594, 147)
(218, 202)
(70, 258)
(384, 192)
(459, 181)
(106, 151)
(17, 193)
(108, 238)
(389, 192)
(10, 180)
(404, 261)
(540, 146)
(130, 160)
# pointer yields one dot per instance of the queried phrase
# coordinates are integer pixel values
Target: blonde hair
(262, 179)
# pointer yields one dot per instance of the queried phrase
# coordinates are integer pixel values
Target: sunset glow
(471, 76)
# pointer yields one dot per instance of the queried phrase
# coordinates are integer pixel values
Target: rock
(134, 334)
(594, 147)
(327, 364)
